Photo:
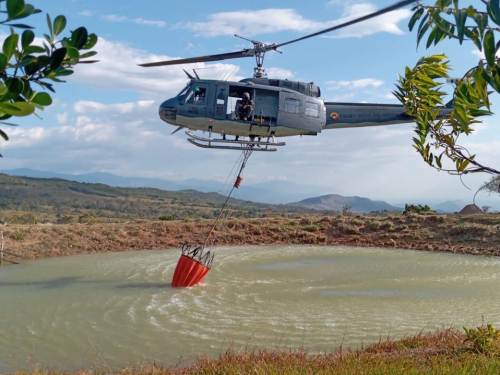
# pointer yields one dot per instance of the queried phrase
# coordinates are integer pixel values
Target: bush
(485, 340)
(167, 218)
(22, 219)
(65, 220)
(374, 225)
(87, 219)
(417, 208)
(18, 235)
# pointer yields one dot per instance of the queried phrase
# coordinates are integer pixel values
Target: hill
(51, 199)
(335, 202)
(271, 192)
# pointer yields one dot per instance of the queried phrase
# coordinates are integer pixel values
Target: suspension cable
(245, 156)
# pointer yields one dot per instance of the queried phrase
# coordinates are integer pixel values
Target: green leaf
(28, 11)
(415, 18)
(15, 86)
(49, 23)
(10, 45)
(34, 49)
(489, 47)
(19, 25)
(27, 38)
(79, 37)
(421, 33)
(88, 54)
(3, 88)
(3, 62)
(73, 53)
(3, 135)
(461, 18)
(14, 8)
(19, 109)
(91, 42)
(494, 11)
(57, 58)
(42, 98)
(59, 25)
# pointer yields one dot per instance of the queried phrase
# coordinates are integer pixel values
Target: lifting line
(246, 155)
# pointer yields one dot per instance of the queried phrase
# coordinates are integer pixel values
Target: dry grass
(442, 352)
(449, 233)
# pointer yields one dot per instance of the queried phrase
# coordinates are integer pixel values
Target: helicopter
(282, 108)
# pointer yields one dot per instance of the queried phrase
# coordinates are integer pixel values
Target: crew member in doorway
(245, 107)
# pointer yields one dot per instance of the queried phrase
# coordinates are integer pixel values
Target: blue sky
(105, 118)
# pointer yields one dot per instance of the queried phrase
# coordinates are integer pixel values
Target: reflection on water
(82, 311)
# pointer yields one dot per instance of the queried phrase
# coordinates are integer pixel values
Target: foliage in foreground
(444, 352)
(419, 89)
(25, 61)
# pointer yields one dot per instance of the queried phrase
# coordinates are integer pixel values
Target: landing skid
(242, 144)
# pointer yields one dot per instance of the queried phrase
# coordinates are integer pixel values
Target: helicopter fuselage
(282, 108)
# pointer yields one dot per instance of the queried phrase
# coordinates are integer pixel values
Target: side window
(312, 110)
(200, 94)
(292, 105)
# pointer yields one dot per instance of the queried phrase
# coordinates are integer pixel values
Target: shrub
(87, 219)
(311, 228)
(65, 220)
(346, 210)
(485, 340)
(374, 225)
(18, 235)
(167, 218)
(22, 219)
(417, 208)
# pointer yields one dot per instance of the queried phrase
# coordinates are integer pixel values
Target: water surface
(99, 310)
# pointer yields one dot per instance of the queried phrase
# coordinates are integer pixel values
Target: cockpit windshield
(184, 91)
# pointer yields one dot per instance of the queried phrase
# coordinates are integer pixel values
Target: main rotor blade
(357, 20)
(222, 56)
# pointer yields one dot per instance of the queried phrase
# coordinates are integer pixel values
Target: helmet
(246, 95)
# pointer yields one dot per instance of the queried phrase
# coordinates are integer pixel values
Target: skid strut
(237, 144)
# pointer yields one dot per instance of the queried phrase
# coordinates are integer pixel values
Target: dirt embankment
(478, 234)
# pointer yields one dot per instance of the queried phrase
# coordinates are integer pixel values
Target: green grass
(443, 352)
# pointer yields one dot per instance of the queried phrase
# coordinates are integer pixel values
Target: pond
(100, 310)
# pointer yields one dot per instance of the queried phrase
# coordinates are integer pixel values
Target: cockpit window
(200, 94)
(184, 91)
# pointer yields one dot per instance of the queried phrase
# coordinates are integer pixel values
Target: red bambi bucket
(192, 267)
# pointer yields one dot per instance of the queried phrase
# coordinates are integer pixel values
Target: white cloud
(62, 118)
(265, 21)
(120, 108)
(356, 84)
(142, 21)
(280, 73)
(85, 13)
(114, 18)
(387, 23)
(339, 98)
(249, 23)
(118, 69)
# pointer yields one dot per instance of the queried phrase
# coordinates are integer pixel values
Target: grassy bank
(478, 234)
(442, 352)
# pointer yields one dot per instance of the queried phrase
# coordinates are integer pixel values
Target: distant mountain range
(272, 192)
(336, 202)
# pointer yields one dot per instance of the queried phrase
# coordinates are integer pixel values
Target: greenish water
(99, 310)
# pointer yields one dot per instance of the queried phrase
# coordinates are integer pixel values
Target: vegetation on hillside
(24, 200)
(477, 234)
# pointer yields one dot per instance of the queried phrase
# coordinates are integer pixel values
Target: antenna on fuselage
(189, 75)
